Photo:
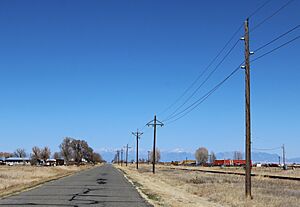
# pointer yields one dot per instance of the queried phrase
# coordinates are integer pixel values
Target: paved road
(101, 186)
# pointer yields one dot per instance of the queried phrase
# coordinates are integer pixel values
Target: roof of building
(51, 160)
(17, 159)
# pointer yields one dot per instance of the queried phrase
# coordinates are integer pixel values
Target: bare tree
(6, 154)
(45, 153)
(66, 149)
(77, 151)
(35, 155)
(56, 155)
(157, 156)
(201, 155)
(97, 158)
(212, 157)
(20, 153)
(238, 155)
(87, 151)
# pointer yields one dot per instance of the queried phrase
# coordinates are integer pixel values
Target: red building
(230, 163)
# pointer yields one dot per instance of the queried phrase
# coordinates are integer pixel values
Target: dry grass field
(178, 188)
(255, 170)
(17, 178)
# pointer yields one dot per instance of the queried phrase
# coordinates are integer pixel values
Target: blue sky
(97, 70)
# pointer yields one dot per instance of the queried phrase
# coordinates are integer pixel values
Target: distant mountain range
(177, 155)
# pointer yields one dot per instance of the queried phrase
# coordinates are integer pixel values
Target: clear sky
(97, 70)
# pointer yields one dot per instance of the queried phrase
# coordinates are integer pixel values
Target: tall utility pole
(122, 157)
(127, 147)
(154, 123)
(283, 157)
(148, 157)
(247, 104)
(118, 156)
(137, 134)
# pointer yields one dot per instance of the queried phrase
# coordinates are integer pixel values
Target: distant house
(17, 161)
(50, 162)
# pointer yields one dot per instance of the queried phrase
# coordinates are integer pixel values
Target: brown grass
(188, 188)
(17, 178)
(256, 170)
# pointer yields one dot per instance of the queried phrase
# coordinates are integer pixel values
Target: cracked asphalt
(101, 186)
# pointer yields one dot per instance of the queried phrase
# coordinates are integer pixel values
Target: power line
(207, 78)
(276, 48)
(203, 72)
(194, 105)
(272, 15)
(258, 9)
(209, 65)
(277, 38)
(203, 98)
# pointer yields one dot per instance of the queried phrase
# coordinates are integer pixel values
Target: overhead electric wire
(276, 48)
(272, 15)
(209, 65)
(203, 98)
(207, 78)
(203, 72)
(277, 38)
(194, 105)
(259, 8)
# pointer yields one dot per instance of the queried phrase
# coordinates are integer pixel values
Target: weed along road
(100, 186)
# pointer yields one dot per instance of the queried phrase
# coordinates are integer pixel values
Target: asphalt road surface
(101, 186)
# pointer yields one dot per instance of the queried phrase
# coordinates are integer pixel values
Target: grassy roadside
(16, 179)
(151, 197)
(160, 193)
(178, 188)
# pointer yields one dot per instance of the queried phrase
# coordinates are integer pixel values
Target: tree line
(73, 151)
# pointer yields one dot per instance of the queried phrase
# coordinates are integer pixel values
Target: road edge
(139, 190)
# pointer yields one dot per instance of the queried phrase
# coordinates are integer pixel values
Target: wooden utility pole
(122, 157)
(148, 157)
(118, 157)
(248, 120)
(138, 135)
(154, 123)
(283, 157)
(127, 147)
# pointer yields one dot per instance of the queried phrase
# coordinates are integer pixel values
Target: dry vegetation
(169, 187)
(256, 170)
(17, 178)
